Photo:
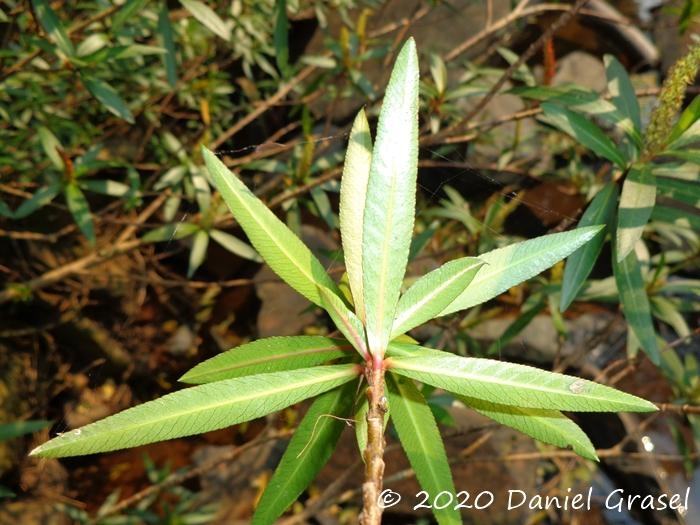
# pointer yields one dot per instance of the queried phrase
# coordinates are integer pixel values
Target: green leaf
(130, 9)
(281, 36)
(390, 203)
(361, 424)
(346, 321)
(636, 204)
(433, 292)
(353, 192)
(165, 30)
(53, 27)
(282, 250)
(198, 409)
(20, 428)
(686, 191)
(235, 245)
(584, 131)
(169, 232)
(105, 187)
(510, 384)
(79, 208)
(310, 448)
(690, 116)
(548, 426)
(272, 354)
(108, 97)
(506, 267)
(41, 197)
(208, 18)
(622, 91)
(198, 252)
(50, 144)
(420, 438)
(635, 303)
(600, 211)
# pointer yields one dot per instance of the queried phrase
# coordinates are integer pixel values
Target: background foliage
(121, 267)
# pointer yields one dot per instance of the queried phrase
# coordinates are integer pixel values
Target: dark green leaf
(690, 116)
(20, 428)
(165, 31)
(600, 211)
(310, 448)
(584, 131)
(79, 208)
(108, 97)
(516, 327)
(281, 36)
(636, 204)
(53, 27)
(41, 197)
(622, 91)
(421, 440)
(635, 303)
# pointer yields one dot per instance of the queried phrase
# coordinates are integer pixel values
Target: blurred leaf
(92, 44)
(676, 213)
(165, 31)
(438, 72)
(198, 253)
(169, 232)
(80, 209)
(686, 191)
(635, 303)
(665, 310)
(105, 187)
(235, 245)
(198, 409)
(584, 131)
(636, 204)
(600, 211)
(622, 91)
(51, 145)
(41, 197)
(272, 354)
(688, 117)
(6, 211)
(281, 37)
(53, 27)
(20, 428)
(208, 18)
(108, 97)
(311, 446)
(128, 10)
(420, 438)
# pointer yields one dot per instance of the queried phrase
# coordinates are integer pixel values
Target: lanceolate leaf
(600, 211)
(622, 91)
(506, 267)
(271, 354)
(234, 245)
(512, 384)
(353, 191)
(198, 409)
(53, 27)
(636, 204)
(79, 208)
(390, 203)
(548, 426)
(41, 197)
(282, 250)
(108, 96)
(584, 131)
(430, 294)
(309, 449)
(420, 438)
(635, 303)
(208, 18)
(198, 252)
(346, 321)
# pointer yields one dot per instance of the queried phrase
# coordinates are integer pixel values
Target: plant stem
(374, 452)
